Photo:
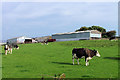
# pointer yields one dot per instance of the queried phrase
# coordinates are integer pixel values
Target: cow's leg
(73, 60)
(87, 62)
(78, 61)
(10, 50)
(87, 59)
(74, 57)
(6, 52)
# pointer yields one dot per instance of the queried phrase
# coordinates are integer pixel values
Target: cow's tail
(73, 55)
(73, 52)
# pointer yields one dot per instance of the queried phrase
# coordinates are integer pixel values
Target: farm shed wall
(86, 35)
(17, 40)
(71, 37)
(95, 35)
(20, 40)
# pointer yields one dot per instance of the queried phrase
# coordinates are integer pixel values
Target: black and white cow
(8, 49)
(84, 52)
(16, 46)
(44, 42)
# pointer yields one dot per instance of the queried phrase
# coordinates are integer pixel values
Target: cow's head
(96, 53)
(17, 47)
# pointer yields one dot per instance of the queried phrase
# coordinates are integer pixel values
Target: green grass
(36, 60)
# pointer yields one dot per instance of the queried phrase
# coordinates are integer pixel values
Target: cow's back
(79, 52)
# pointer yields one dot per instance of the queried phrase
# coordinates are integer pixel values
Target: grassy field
(36, 60)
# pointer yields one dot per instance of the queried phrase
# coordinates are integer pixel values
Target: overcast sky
(38, 19)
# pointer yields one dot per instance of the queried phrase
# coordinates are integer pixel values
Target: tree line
(101, 29)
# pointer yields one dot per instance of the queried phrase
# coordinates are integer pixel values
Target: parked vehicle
(51, 40)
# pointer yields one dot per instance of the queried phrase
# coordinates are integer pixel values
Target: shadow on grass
(85, 76)
(18, 66)
(62, 63)
(113, 58)
(24, 70)
(118, 55)
(2, 53)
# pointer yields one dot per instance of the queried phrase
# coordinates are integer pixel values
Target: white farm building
(80, 35)
(21, 39)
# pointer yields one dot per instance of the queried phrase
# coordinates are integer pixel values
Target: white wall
(95, 35)
(20, 40)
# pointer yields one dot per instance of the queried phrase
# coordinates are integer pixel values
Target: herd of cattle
(77, 53)
(9, 47)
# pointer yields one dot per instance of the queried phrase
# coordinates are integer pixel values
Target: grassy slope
(36, 60)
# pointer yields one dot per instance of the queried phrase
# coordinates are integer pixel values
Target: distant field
(36, 60)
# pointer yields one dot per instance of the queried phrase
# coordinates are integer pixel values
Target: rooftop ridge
(76, 32)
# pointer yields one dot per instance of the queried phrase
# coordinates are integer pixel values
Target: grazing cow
(44, 42)
(84, 52)
(8, 49)
(16, 46)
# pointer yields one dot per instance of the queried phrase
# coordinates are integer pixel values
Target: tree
(111, 33)
(104, 35)
(90, 28)
(82, 29)
(101, 29)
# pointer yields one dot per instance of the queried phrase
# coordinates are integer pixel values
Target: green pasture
(36, 60)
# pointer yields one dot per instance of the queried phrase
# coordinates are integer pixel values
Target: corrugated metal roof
(95, 31)
(45, 37)
(20, 37)
(92, 31)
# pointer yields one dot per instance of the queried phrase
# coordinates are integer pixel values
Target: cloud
(74, 10)
(48, 18)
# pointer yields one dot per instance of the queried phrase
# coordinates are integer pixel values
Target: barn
(22, 39)
(80, 35)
